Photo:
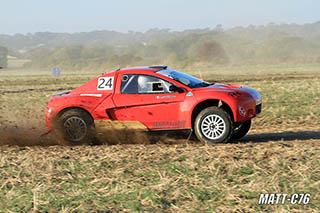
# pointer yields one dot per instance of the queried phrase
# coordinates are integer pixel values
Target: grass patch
(47, 180)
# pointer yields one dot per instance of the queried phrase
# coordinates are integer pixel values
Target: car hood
(245, 91)
(219, 87)
(223, 86)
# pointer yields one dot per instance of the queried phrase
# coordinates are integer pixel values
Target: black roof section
(163, 67)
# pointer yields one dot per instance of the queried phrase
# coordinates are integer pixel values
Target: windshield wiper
(202, 84)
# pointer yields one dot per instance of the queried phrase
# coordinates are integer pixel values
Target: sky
(29, 16)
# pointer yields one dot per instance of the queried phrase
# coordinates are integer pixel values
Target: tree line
(3, 57)
(272, 43)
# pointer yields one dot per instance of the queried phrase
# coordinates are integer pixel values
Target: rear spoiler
(162, 67)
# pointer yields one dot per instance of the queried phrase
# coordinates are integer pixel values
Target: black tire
(76, 126)
(241, 129)
(219, 130)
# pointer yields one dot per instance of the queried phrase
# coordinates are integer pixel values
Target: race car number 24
(105, 83)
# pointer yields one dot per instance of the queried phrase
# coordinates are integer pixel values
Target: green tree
(97, 52)
(3, 57)
(212, 51)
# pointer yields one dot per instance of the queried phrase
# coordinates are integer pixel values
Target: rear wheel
(213, 125)
(76, 126)
(241, 129)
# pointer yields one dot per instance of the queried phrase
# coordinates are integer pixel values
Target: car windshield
(183, 78)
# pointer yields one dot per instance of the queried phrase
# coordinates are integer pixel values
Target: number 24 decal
(105, 83)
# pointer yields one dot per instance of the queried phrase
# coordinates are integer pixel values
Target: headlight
(256, 95)
(49, 110)
(259, 100)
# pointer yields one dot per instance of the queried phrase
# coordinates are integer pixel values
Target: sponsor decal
(105, 83)
(93, 95)
(242, 111)
(272, 199)
(167, 96)
(168, 124)
(189, 94)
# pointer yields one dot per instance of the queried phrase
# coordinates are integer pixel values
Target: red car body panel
(155, 111)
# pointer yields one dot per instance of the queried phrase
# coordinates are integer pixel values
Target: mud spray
(26, 127)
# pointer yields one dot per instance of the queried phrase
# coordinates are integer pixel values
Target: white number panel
(105, 83)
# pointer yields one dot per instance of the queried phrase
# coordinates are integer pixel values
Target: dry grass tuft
(183, 177)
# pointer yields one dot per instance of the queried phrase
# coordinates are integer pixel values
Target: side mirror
(174, 88)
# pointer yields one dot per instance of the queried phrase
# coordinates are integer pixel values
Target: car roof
(134, 70)
(145, 68)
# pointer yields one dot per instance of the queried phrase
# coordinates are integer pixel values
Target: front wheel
(241, 129)
(213, 125)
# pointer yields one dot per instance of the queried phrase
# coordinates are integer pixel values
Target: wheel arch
(208, 103)
(69, 108)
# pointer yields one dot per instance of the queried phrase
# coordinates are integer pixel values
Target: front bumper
(258, 108)
(249, 108)
(48, 118)
(51, 113)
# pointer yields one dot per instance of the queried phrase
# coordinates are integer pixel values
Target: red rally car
(159, 98)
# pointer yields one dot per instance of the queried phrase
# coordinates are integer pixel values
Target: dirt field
(137, 171)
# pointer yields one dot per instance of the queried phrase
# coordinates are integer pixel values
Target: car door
(148, 99)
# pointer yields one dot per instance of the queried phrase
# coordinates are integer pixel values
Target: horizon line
(169, 29)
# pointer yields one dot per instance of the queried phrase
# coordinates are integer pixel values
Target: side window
(143, 84)
(129, 84)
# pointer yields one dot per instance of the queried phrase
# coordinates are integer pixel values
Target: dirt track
(270, 78)
(183, 177)
(22, 136)
(36, 90)
(22, 116)
(279, 154)
(226, 80)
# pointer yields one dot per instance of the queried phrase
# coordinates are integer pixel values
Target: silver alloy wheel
(213, 127)
(76, 128)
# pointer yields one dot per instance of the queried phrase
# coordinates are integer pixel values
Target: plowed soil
(133, 170)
